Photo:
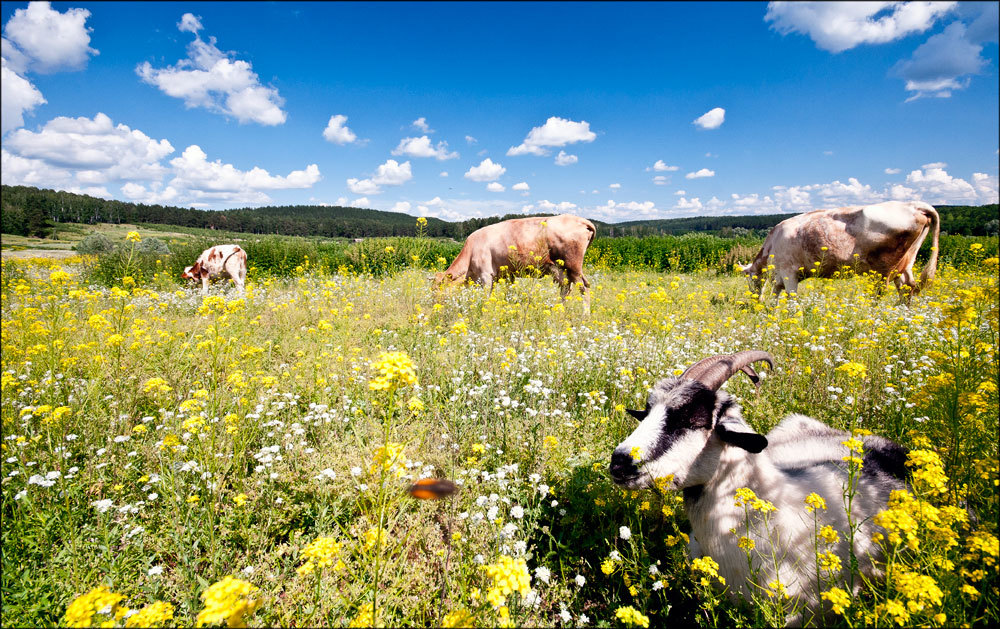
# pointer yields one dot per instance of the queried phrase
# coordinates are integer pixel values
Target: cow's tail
(928, 273)
(593, 230)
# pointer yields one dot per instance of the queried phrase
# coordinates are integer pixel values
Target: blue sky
(611, 111)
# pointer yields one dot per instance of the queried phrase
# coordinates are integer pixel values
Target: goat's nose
(622, 465)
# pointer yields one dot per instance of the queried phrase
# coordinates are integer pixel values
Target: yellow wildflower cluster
(156, 385)
(374, 536)
(80, 612)
(920, 590)
(395, 370)
(855, 448)
(928, 472)
(366, 617)
(319, 554)
(458, 618)
(509, 575)
(632, 616)
(814, 501)
(155, 614)
(854, 371)
(745, 497)
(230, 600)
(708, 567)
(839, 600)
(389, 459)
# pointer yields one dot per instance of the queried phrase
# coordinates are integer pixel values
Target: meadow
(169, 458)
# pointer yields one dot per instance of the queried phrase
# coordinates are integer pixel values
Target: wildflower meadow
(170, 458)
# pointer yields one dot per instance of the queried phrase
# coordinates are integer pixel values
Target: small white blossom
(624, 532)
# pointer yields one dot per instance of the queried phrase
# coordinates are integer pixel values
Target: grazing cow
(226, 260)
(554, 245)
(883, 238)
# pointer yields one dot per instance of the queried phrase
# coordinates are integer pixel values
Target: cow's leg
(204, 285)
(791, 284)
(576, 277)
(906, 286)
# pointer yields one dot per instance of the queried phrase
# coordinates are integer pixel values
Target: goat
(692, 437)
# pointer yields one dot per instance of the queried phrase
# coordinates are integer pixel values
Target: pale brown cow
(884, 238)
(554, 245)
(226, 260)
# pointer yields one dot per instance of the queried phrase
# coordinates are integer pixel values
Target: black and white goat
(694, 433)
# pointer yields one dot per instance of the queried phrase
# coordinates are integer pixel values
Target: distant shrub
(152, 246)
(94, 244)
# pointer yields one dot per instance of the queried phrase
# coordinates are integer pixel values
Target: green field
(156, 442)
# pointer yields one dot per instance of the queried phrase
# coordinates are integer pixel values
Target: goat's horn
(715, 370)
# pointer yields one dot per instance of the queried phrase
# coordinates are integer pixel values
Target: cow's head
(686, 425)
(755, 279)
(443, 279)
(194, 273)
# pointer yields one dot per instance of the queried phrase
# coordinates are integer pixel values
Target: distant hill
(30, 211)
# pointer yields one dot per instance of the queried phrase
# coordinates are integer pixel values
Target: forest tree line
(29, 211)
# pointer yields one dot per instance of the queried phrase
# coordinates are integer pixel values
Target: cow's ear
(639, 415)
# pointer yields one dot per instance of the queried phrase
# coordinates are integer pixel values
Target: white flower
(153, 496)
(517, 512)
(564, 614)
(154, 571)
(580, 580)
(614, 555)
(542, 574)
(38, 479)
(657, 585)
(355, 471)
(624, 532)
(102, 505)
(479, 559)
(653, 569)
(492, 513)
(248, 570)
(583, 620)
(543, 490)
(21, 494)
(327, 473)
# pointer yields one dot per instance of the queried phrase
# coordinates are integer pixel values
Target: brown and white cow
(225, 260)
(884, 238)
(554, 245)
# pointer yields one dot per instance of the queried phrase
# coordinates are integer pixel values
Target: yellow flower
(508, 576)
(229, 600)
(133, 237)
(415, 405)
(389, 458)
(828, 535)
(81, 611)
(838, 598)
(366, 617)
(853, 370)
(320, 553)
(395, 370)
(631, 616)
(815, 501)
(458, 618)
(707, 566)
(152, 615)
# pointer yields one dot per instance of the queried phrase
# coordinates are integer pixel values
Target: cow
(883, 238)
(553, 245)
(226, 260)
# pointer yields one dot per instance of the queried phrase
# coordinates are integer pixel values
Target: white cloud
(361, 202)
(615, 186)
(444, 173)
(391, 173)
(565, 159)
(193, 171)
(401, 206)
(470, 139)
(486, 171)
(189, 24)
(892, 171)
(941, 64)
(337, 131)
(98, 150)
(711, 119)
(17, 97)
(548, 207)
(839, 26)
(688, 204)
(828, 152)
(422, 147)
(704, 172)
(208, 78)
(986, 186)
(680, 193)
(521, 186)
(661, 180)
(555, 132)
(495, 187)
(934, 185)
(51, 40)
(660, 166)
(420, 124)
(624, 211)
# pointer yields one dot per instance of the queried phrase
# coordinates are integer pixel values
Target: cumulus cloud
(50, 40)
(698, 174)
(470, 139)
(194, 172)
(661, 166)
(549, 207)
(556, 132)
(565, 159)
(839, 26)
(401, 206)
(892, 171)
(521, 186)
(337, 131)
(18, 96)
(361, 202)
(680, 193)
(189, 23)
(391, 173)
(615, 186)
(945, 62)
(97, 150)
(420, 124)
(661, 180)
(711, 119)
(422, 147)
(444, 173)
(210, 79)
(487, 170)
(495, 187)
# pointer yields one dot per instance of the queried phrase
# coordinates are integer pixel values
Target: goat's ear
(639, 415)
(739, 434)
